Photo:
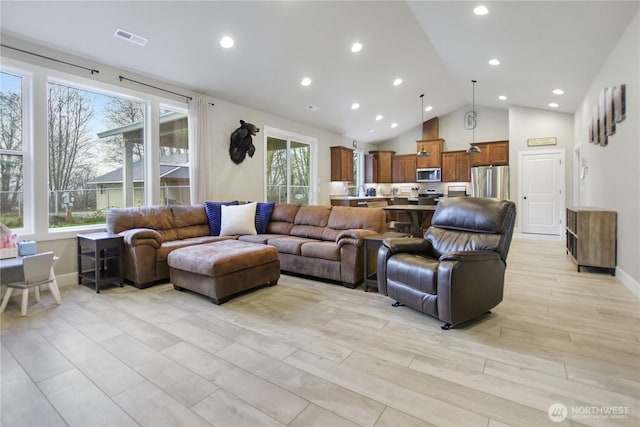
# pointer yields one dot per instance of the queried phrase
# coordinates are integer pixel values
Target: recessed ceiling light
(356, 47)
(397, 82)
(428, 108)
(553, 105)
(502, 98)
(131, 37)
(226, 42)
(558, 91)
(379, 117)
(306, 81)
(311, 107)
(481, 10)
(355, 106)
(494, 62)
(394, 125)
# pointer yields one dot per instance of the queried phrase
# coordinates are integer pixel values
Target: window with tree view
(96, 155)
(11, 152)
(288, 171)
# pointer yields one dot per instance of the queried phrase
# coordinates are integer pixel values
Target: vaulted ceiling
(436, 48)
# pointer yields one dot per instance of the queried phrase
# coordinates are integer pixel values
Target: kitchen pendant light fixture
(470, 121)
(422, 152)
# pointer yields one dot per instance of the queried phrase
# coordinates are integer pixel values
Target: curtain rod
(159, 88)
(91, 70)
(155, 87)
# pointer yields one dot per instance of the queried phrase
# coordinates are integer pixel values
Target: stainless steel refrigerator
(490, 181)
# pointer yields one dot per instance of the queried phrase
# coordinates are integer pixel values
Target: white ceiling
(435, 47)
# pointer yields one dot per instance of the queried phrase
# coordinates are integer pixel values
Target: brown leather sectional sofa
(319, 241)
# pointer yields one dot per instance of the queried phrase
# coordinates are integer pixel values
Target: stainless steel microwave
(429, 175)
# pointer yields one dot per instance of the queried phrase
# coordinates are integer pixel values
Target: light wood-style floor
(307, 353)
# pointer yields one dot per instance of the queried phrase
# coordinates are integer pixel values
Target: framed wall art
(609, 110)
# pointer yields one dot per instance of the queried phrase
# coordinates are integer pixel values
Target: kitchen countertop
(337, 197)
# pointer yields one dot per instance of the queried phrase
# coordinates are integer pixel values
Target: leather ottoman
(222, 269)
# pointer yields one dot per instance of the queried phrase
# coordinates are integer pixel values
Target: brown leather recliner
(456, 272)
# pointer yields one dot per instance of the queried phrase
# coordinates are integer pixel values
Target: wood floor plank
(224, 410)
(21, 401)
(346, 403)
(393, 395)
(81, 403)
(180, 383)
(152, 407)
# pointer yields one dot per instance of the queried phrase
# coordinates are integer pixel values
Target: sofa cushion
(346, 218)
(240, 219)
(190, 221)
(311, 221)
(282, 218)
(289, 244)
(322, 250)
(213, 214)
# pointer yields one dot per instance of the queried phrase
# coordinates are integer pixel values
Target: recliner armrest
(470, 256)
(413, 245)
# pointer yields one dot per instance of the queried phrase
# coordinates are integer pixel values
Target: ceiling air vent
(133, 38)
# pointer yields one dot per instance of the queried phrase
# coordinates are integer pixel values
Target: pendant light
(422, 152)
(470, 122)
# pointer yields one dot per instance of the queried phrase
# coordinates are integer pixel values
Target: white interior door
(542, 191)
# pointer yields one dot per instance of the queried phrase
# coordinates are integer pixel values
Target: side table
(100, 259)
(373, 243)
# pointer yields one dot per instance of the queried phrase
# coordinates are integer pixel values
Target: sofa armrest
(412, 245)
(142, 236)
(353, 237)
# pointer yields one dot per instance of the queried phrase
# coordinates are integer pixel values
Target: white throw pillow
(239, 219)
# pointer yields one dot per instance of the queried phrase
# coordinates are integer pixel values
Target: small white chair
(37, 272)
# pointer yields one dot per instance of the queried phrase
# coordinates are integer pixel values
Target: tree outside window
(11, 151)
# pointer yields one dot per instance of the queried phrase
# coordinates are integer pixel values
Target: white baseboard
(628, 281)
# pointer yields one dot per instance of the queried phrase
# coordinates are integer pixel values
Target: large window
(11, 151)
(288, 174)
(87, 147)
(96, 155)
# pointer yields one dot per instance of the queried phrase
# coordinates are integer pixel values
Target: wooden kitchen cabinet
(403, 168)
(491, 153)
(341, 164)
(378, 167)
(456, 166)
(434, 148)
(430, 129)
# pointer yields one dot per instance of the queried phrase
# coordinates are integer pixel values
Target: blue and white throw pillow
(213, 210)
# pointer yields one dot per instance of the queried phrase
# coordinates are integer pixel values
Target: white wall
(612, 179)
(492, 124)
